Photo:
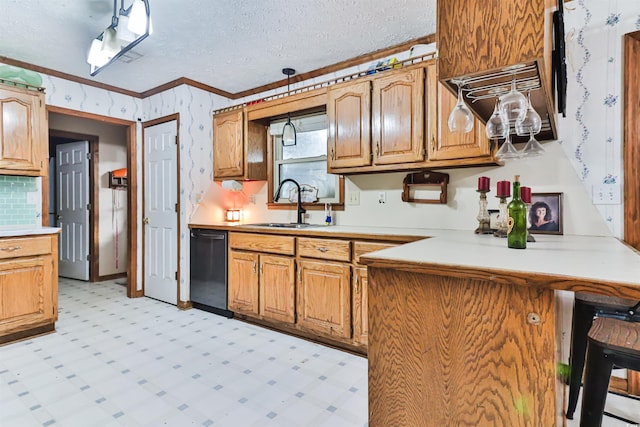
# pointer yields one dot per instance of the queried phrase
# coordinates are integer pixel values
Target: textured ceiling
(232, 45)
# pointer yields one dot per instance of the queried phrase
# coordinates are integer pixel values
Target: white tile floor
(138, 362)
(116, 361)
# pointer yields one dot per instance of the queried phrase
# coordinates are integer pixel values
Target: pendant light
(288, 131)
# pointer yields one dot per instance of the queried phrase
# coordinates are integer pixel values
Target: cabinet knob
(11, 249)
(254, 266)
(333, 156)
(323, 249)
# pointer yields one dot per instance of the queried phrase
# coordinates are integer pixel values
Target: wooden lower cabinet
(28, 286)
(262, 285)
(359, 306)
(324, 297)
(243, 282)
(277, 290)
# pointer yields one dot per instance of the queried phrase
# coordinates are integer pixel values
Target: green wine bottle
(517, 213)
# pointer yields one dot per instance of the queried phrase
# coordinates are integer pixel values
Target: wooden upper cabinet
(23, 144)
(477, 39)
(398, 117)
(349, 125)
(444, 144)
(239, 147)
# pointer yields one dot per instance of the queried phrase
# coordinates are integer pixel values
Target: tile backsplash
(20, 199)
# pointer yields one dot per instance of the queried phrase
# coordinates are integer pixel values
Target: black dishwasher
(209, 271)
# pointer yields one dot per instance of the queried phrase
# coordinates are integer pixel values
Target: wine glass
(497, 125)
(513, 103)
(507, 151)
(532, 148)
(461, 117)
(531, 122)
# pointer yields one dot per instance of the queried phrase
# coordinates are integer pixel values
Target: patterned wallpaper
(592, 133)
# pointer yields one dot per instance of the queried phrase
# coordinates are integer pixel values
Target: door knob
(145, 220)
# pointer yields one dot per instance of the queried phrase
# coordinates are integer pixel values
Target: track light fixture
(128, 28)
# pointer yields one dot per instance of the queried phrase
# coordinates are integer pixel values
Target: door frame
(631, 158)
(94, 212)
(132, 193)
(164, 119)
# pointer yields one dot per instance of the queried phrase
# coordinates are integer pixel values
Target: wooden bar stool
(611, 342)
(585, 309)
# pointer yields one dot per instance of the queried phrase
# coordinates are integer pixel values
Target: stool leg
(596, 385)
(582, 321)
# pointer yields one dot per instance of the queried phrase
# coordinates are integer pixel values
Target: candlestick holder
(529, 236)
(483, 214)
(502, 221)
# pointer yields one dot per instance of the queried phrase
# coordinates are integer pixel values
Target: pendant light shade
(138, 18)
(110, 45)
(289, 130)
(96, 56)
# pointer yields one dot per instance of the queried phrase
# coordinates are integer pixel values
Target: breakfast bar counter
(462, 330)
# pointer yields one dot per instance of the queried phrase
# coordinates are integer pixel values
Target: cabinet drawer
(338, 250)
(263, 243)
(14, 248)
(363, 248)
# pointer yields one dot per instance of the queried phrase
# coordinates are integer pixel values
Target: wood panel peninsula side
(462, 330)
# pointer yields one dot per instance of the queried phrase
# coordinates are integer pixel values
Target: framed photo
(493, 219)
(545, 214)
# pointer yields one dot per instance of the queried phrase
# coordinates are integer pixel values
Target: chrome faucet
(301, 210)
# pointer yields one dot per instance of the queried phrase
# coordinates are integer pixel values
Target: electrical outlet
(382, 197)
(606, 194)
(354, 198)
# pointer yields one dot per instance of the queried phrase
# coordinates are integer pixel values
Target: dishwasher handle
(208, 236)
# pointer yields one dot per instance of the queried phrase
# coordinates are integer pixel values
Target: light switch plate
(606, 194)
(354, 198)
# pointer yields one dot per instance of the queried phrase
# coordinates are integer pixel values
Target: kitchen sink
(282, 225)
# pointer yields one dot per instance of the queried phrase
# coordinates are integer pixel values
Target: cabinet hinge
(176, 207)
(88, 257)
(88, 206)
(176, 276)
(424, 152)
(295, 317)
(175, 139)
(88, 156)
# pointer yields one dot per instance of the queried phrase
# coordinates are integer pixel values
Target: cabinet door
(277, 288)
(22, 141)
(447, 145)
(228, 145)
(243, 282)
(349, 120)
(398, 118)
(360, 309)
(323, 294)
(26, 293)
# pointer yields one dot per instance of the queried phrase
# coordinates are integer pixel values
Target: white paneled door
(72, 193)
(160, 219)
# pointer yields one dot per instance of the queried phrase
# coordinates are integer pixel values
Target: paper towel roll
(232, 185)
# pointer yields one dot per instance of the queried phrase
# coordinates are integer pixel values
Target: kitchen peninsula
(462, 330)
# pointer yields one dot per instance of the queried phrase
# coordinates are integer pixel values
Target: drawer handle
(323, 249)
(11, 248)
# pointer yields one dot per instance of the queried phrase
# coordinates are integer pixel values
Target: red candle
(525, 194)
(504, 189)
(483, 183)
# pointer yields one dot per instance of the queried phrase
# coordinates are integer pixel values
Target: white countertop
(599, 259)
(18, 232)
